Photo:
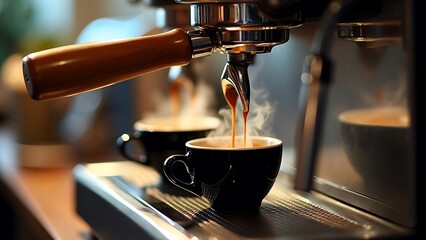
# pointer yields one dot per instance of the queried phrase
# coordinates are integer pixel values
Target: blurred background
(91, 121)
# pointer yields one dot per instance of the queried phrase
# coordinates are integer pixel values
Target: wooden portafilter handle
(73, 69)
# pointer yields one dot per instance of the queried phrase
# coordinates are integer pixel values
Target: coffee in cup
(231, 178)
(156, 138)
(377, 144)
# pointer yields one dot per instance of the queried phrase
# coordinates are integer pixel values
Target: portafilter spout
(235, 75)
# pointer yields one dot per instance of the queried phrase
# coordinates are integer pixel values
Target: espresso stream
(231, 97)
(229, 92)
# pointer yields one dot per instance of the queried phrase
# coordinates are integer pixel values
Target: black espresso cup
(156, 138)
(232, 179)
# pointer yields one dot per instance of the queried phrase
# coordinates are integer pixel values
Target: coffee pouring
(243, 30)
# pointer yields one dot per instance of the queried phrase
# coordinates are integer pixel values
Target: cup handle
(123, 143)
(168, 172)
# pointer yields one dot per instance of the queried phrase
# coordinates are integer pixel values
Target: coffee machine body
(370, 69)
(354, 163)
(343, 78)
(361, 60)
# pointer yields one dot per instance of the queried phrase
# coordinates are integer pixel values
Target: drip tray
(126, 200)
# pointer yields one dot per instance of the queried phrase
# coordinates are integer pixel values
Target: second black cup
(156, 138)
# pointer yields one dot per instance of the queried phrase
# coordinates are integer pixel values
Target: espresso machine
(361, 54)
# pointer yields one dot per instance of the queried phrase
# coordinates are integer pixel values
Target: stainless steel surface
(371, 34)
(381, 69)
(386, 198)
(161, 209)
(240, 27)
(311, 120)
(316, 79)
(203, 44)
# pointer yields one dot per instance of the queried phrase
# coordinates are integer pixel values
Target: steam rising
(387, 85)
(259, 121)
(388, 93)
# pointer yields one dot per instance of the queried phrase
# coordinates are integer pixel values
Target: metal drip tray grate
(281, 214)
(132, 191)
